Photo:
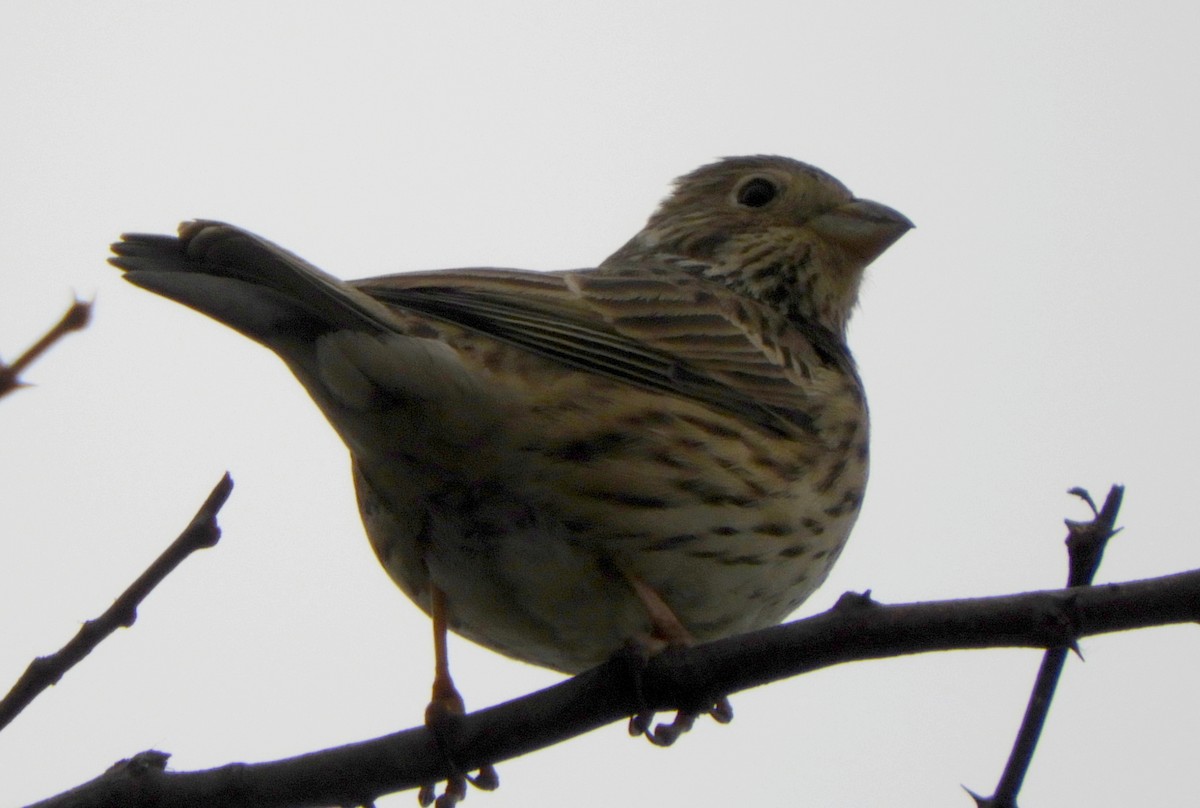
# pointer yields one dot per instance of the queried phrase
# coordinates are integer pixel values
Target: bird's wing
(667, 331)
(674, 334)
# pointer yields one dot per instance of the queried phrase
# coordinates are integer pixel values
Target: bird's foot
(455, 791)
(441, 718)
(667, 632)
(666, 734)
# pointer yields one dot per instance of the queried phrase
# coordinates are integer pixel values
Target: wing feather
(670, 334)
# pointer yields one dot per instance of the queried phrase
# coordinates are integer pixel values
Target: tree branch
(76, 318)
(857, 628)
(48, 670)
(1086, 542)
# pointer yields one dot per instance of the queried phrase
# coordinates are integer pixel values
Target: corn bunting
(667, 449)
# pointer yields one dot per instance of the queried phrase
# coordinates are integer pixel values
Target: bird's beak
(862, 227)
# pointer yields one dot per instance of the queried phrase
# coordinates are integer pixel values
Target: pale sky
(1037, 331)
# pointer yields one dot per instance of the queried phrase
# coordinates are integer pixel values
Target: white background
(1037, 331)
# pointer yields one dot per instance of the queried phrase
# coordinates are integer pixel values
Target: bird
(665, 449)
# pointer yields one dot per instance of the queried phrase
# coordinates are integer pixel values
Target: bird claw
(442, 715)
(485, 779)
(455, 792)
(666, 734)
(721, 711)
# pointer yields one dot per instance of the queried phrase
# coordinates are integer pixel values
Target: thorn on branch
(150, 760)
(851, 601)
(1083, 494)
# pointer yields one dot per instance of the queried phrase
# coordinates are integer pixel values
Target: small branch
(1085, 542)
(46, 671)
(856, 629)
(76, 318)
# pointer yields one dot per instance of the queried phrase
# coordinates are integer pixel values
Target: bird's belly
(515, 579)
(535, 552)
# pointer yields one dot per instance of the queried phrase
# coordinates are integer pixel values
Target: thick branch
(48, 670)
(857, 628)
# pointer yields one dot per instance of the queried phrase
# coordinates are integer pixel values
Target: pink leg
(446, 704)
(667, 628)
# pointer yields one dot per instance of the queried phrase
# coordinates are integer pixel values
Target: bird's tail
(247, 283)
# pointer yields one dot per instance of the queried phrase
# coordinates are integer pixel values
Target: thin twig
(48, 670)
(856, 629)
(1085, 548)
(76, 318)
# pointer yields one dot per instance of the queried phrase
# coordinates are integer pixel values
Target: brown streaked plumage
(671, 447)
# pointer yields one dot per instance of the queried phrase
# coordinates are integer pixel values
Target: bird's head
(772, 228)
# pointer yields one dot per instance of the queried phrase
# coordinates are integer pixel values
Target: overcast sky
(1037, 331)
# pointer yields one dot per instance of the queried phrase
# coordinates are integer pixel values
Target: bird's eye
(756, 193)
